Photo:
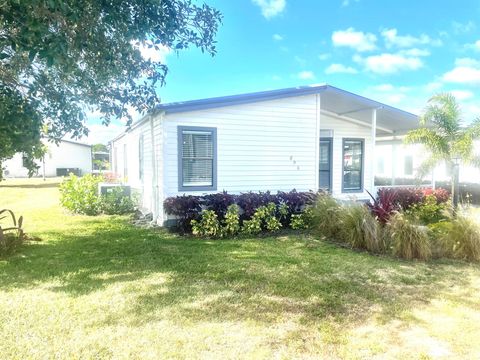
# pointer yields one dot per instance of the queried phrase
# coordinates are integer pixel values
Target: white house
(399, 163)
(67, 156)
(304, 138)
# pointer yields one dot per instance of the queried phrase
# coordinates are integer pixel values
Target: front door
(325, 168)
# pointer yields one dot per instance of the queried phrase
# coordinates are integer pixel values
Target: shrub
(360, 228)
(429, 211)
(409, 239)
(250, 202)
(186, 208)
(208, 225)
(302, 221)
(116, 203)
(325, 216)
(464, 235)
(384, 205)
(80, 194)
(441, 195)
(12, 235)
(263, 219)
(219, 203)
(231, 223)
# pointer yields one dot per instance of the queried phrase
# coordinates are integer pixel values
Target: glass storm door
(325, 168)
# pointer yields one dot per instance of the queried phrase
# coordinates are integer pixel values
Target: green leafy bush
(429, 211)
(264, 218)
(325, 213)
(409, 239)
(302, 221)
(116, 202)
(360, 228)
(80, 194)
(207, 226)
(231, 223)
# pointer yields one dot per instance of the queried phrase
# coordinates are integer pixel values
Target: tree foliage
(62, 58)
(444, 134)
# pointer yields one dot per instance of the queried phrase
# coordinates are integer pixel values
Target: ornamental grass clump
(325, 216)
(464, 236)
(360, 229)
(410, 240)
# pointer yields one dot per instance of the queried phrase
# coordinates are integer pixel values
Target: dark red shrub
(250, 202)
(219, 202)
(384, 205)
(185, 208)
(442, 195)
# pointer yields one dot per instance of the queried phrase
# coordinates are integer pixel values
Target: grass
(95, 287)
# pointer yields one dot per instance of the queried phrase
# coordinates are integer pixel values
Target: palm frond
(444, 112)
(473, 130)
(428, 165)
(434, 142)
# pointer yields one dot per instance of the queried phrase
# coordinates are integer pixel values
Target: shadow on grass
(166, 276)
(45, 185)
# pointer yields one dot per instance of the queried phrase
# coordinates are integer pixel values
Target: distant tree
(448, 139)
(62, 58)
(99, 148)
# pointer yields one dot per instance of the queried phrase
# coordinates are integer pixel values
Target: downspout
(154, 173)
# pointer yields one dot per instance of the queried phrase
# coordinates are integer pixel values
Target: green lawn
(95, 287)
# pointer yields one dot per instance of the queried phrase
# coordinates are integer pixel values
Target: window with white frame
(197, 152)
(352, 165)
(408, 165)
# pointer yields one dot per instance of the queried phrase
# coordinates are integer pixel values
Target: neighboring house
(101, 161)
(304, 138)
(67, 156)
(399, 163)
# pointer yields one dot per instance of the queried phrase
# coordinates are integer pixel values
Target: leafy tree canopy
(62, 58)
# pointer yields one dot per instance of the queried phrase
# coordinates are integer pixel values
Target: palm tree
(447, 138)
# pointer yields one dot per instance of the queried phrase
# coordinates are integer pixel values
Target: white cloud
(389, 63)
(270, 8)
(383, 87)
(306, 75)
(463, 75)
(346, 3)
(150, 53)
(277, 37)
(101, 134)
(357, 40)
(415, 52)
(466, 71)
(324, 56)
(340, 69)
(462, 94)
(475, 46)
(392, 39)
(459, 28)
(433, 86)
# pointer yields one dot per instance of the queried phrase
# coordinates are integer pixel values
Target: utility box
(105, 188)
(68, 171)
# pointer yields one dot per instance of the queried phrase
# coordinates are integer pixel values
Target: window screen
(408, 165)
(352, 165)
(197, 158)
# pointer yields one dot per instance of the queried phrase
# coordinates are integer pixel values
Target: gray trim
(330, 140)
(362, 172)
(181, 187)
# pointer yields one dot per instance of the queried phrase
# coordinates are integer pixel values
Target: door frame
(330, 148)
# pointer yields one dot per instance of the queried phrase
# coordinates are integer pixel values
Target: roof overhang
(334, 101)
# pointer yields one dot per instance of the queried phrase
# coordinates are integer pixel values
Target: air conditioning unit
(105, 188)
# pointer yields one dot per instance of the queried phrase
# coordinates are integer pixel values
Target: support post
(373, 158)
(394, 163)
(317, 140)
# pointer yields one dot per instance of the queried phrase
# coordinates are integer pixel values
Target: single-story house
(67, 156)
(399, 163)
(303, 138)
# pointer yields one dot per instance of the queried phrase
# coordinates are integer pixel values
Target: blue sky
(399, 53)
